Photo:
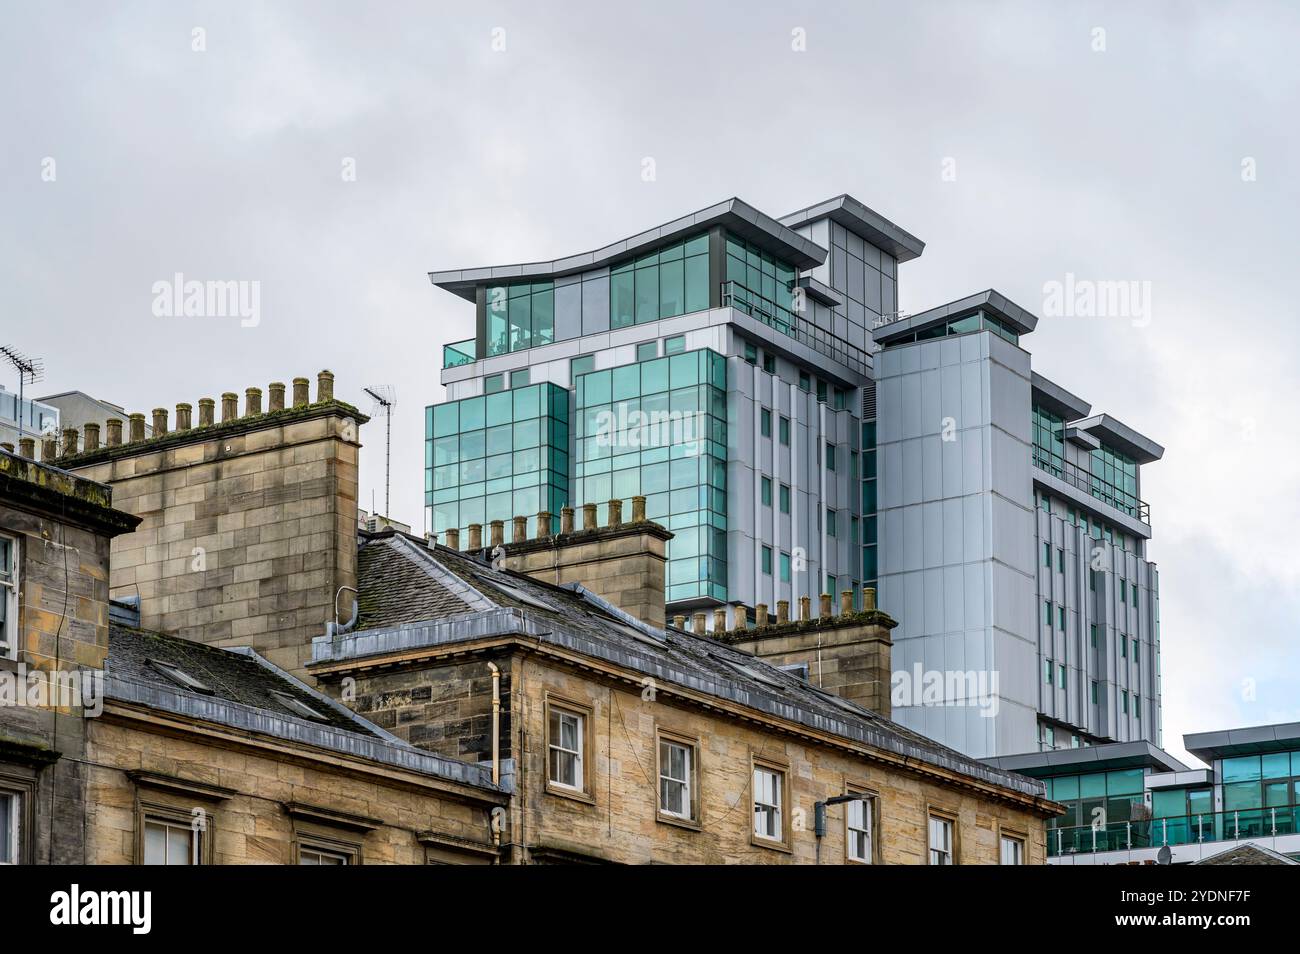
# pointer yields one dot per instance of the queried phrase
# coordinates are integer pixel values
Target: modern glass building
(753, 378)
(1127, 800)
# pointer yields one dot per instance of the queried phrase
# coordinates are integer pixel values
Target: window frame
(693, 821)
(9, 592)
(871, 797)
(1017, 836)
(148, 811)
(21, 787)
(937, 813)
(584, 713)
(323, 844)
(781, 768)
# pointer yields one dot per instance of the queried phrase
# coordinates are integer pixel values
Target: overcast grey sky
(1122, 163)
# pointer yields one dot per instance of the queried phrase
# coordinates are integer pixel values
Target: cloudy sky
(1022, 142)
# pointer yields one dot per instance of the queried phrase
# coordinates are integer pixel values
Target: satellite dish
(1164, 856)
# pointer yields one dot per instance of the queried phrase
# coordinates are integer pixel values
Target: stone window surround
(21, 781)
(573, 707)
(782, 767)
(949, 815)
(177, 801)
(695, 822)
(861, 787)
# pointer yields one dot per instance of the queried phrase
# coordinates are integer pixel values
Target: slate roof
(458, 587)
(232, 676)
(1248, 853)
(248, 693)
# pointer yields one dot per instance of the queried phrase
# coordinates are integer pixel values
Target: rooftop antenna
(385, 396)
(30, 370)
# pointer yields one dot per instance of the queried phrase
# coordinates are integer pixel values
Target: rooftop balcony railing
(788, 322)
(459, 352)
(1076, 476)
(1173, 831)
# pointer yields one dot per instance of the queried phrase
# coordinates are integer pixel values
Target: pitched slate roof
(491, 602)
(1248, 853)
(247, 692)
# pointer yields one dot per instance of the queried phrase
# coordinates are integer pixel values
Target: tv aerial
(385, 398)
(30, 370)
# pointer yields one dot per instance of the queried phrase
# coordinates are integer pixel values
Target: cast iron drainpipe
(496, 741)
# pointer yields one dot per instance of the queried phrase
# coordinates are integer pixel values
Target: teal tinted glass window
(832, 523)
(519, 316)
(1047, 671)
(765, 422)
(1094, 692)
(521, 378)
(662, 284)
(581, 365)
(766, 484)
(647, 350)
(1047, 554)
(783, 430)
(767, 561)
(675, 344)
(785, 568)
(785, 499)
(805, 380)
(1092, 786)
(1060, 617)
(830, 456)
(493, 383)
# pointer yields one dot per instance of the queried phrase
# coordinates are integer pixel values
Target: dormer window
(297, 706)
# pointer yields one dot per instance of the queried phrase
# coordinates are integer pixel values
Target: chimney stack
(453, 538)
(475, 536)
(207, 412)
(27, 447)
(276, 397)
(252, 402)
(114, 438)
(760, 615)
(159, 421)
(137, 427)
(325, 386)
(782, 612)
(184, 416)
(566, 520)
(301, 398)
(496, 533)
(229, 406)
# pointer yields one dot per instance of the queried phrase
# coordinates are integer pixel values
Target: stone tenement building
(628, 742)
(164, 750)
(520, 702)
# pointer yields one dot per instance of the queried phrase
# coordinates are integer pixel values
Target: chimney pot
(566, 520)
(159, 421)
(615, 514)
(824, 606)
(846, 602)
(697, 624)
(520, 530)
(589, 516)
(92, 436)
(476, 536)
(69, 441)
(543, 523)
(638, 509)
(760, 615)
(325, 386)
(868, 598)
(7, 446)
(782, 612)
(49, 449)
(805, 608)
(27, 446)
(229, 406)
(719, 621)
(496, 533)
(679, 622)
(252, 402)
(740, 618)
(114, 435)
(207, 409)
(275, 397)
(453, 538)
(184, 417)
(300, 396)
(137, 427)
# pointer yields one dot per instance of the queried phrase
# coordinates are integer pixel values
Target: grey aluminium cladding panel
(956, 535)
(736, 216)
(989, 300)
